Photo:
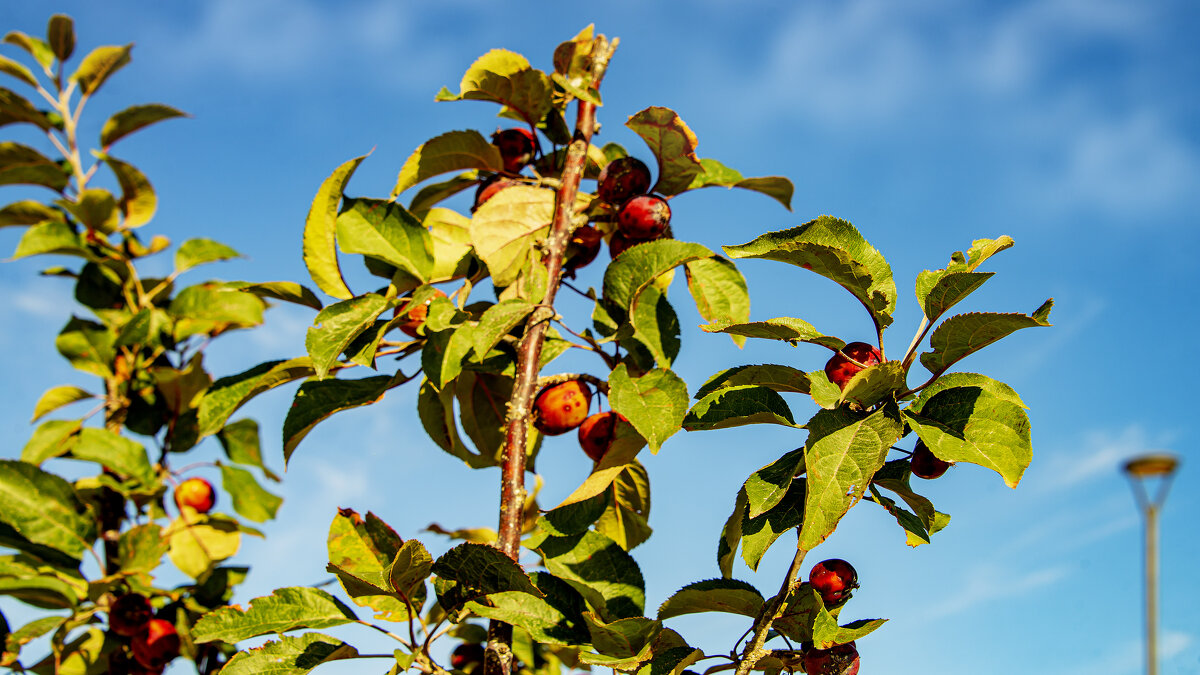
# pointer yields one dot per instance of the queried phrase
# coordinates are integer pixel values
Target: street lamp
(1154, 468)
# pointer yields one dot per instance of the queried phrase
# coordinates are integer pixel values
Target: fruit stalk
(529, 351)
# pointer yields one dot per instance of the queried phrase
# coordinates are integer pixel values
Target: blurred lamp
(1153, 470)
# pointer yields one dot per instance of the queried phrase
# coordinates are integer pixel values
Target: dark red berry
(925, 464)
(488, 189)
(597, 432)
(837, 660)
(158, 645)
(834, 579)
(621, 179)
(516, 147)
(644, 217)
(129, 614)
(582, 248)
(467, 656)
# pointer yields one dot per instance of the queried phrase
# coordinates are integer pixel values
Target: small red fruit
(644, 217)
(516, 147)
(157, 646)
(196, 493)
(488, 189)
(583, 247)
(840, 369)
(837, 660)
(467, 657)
(623, 178)
(562, 407)
(925, 464)
(129, 613)
(597, 432)
(416, 318)
(834, 579)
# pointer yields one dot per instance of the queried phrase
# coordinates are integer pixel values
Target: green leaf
(597, 567)
(731, 535)
(843, 451)
(632, 272)
(834, 249)
(498, 321)
(738, 406)
(133, 118)
(556, 618)
(874, 383)
(12, 642)
(433, 194)
(386, 231)
(719, 290)
(964, 334)
(805, 619)
(918, 524)
(99, 65)
(94, 208)
(784, 379)
(824, 393)
(38, 586)
(51, 439)
(318, 399)
(61, 32)
(50, 237)
(759, 532)
(195, 252)
(409, 569)
(656, 326)
(198, 542)
(627, 442)
(38, 49)
(215, 305)
(284, 610)
(290, 655)
(141, 548)
(336, 326)
(250, 500)
(436, 410)
(575, 517)
(59, 397)
(27, 212)
(17, 70)
(286, 291)
(452, 151)
(713, 173)
(765, 488)
(138, 200)
(939, 290)
(964, 417)
(622, 638)
(506, 227)
(15, 108)
(241, 444)
(228, 394)
(87, 345)
(365, 554)
(482, 412)
(713, 595)
(655, 403)
(479, 570)
(673, 145)
(320, 248)
(44, 509)
(506, 78)
(625, 519)
(115, 453)
(784, 328)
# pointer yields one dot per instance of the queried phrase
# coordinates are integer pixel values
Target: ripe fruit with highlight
(488, 189)
(582, 248)
(561, 407)
(196, 493)
(129, 614)
(516, 147)
(835, 579)
(623, 178)
(925, 464)
(837, 660)
(157, 646)
(416, 318)
(840, 369)
(467, 656)
(597, 432)
(644, 217)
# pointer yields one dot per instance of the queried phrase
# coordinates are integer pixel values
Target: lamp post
(1160, 468)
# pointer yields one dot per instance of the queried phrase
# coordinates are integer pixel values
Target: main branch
(499, 656)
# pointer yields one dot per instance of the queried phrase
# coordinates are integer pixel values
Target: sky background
(1066, 124)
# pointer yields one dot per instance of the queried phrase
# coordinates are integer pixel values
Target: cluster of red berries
(153, 643)
(641, 217)
(562, 407)
(835, 579)
(518, 147)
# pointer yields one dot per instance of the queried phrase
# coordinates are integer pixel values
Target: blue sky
(1066, 124)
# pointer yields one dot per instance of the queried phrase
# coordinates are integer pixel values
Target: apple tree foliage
(487, 282)
(85, 516)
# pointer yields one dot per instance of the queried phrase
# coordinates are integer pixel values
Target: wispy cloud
(1099, 453)
(987, 582)
(1127, 658)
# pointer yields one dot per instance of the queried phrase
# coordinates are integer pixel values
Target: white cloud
(1128, 658)
(1097, 455)
(989, 582)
